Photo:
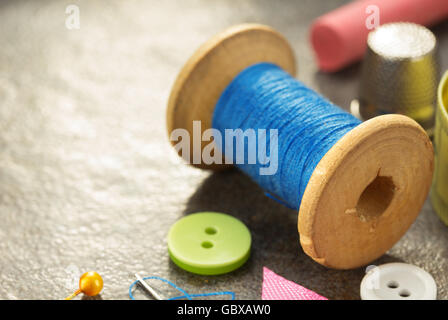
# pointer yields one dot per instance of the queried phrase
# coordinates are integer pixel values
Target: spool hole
(210, 231)
(207, 244)
(375, 198)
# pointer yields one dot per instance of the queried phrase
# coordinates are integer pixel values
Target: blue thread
(263, 96)
(219, 293)
(270, 196)
(185, 294)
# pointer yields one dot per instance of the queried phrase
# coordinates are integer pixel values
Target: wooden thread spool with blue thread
(368, 188)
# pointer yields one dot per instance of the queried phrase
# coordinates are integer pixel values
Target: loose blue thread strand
(185, 295)
(263, 96)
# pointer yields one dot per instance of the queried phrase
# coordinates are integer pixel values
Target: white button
(398, 281)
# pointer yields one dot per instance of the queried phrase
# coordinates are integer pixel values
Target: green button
(209, 243)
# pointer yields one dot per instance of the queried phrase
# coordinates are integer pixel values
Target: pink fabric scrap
(278, 288)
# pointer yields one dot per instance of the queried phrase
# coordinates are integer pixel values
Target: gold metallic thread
(439, 191)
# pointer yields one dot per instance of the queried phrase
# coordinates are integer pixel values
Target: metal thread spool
(439, 192)
(400, 73)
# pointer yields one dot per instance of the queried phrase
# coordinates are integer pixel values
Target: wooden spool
(364, 193)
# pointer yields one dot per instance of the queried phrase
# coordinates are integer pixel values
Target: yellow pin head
(90, 284)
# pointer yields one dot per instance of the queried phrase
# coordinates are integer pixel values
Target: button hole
(405, 293)
(393, 284)
(207, 244)
(210, 230)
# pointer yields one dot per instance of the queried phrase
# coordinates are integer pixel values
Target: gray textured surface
(88, 179)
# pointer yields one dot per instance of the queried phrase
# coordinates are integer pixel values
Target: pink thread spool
(340, 36)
